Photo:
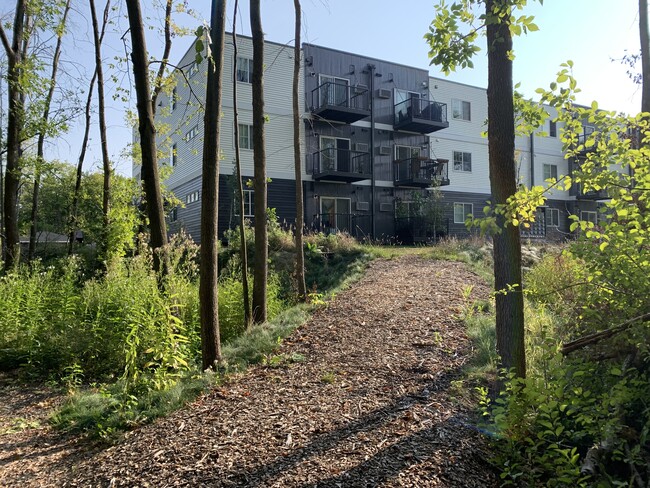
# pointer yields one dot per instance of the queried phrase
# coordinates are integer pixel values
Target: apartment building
(389, 152)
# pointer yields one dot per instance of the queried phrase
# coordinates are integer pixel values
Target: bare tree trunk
(106, 197)
(208, 286)
(297, 158)
(259, 160)
(501, 147)
(165, 59)
(147, 131)
(14, 125)
(645, 55)
(41, 136)
(243, 251)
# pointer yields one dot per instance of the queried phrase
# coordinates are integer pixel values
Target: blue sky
(589, 32)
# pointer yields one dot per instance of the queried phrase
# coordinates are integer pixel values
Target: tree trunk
(102, 125)
(41, 136)
(300, 216)
(147, 131)
(208, 291)
(165, 59)
(259, 161)
(503, 183)
(14, 125)
(645, 56)
(243, 251)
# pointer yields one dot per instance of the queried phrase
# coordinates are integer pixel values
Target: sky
(591, 33)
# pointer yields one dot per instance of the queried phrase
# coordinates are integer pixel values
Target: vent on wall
(384, 150)
(383, 93)
(362, 206)
(361, 147)
(385, 207)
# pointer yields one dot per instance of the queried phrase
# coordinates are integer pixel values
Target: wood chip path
(363, 398)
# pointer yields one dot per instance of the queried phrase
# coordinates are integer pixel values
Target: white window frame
(337, 80)
(462, 161)
(194, 69)
(336, 214)
(552, 128)
(248, 71)
(464, 210)
(457, 109)
(172, 99)
(249, 137)
(585, 214)
(192, 133)
(173, 155)
(548, 170)
(553, 217)
(249, 203)
(195, 196)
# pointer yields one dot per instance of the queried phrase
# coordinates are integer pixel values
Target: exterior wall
(175, 122)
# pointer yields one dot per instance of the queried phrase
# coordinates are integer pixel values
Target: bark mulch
(361, 395)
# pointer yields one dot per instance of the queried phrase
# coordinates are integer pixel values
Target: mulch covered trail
(359, 396)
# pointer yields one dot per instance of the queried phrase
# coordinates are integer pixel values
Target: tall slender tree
(40, 144)
(15, 51)
(208, 286)
(260, 275)
(243, 251)
(450, 48)
(297, 157)
(645, 56)
(147, 131)
(106, 162)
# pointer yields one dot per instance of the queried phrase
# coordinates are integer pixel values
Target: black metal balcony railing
(418, 115)
(356, 225)
(421, 172)
(418, 229)
(340, 102)
(341, 165)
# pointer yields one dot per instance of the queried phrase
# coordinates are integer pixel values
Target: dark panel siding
(281, 196)
(478, 201)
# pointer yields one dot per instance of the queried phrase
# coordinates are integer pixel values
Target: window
(552, 217)
(461, 110)
(462, 161)
(173, 215)
(461, 211)
(194, 69)
(589, 216)
(406, 152)
(335, 214)
(550, 171)
(172, 100)
(552, 128)
(244, 70)
(173, 156)
(193, 197)
(333, 91)
(335, 154)
(245, 136)
(249, 203)
(192, 133)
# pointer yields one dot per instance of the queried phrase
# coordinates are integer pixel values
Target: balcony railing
(422, 116)
(340, 102)
(356, 225)
(341, 165)
(421, 172)
(418, 229)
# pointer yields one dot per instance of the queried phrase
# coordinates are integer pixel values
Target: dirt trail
(361, 395)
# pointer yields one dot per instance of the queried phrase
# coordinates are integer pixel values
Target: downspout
(371, 69)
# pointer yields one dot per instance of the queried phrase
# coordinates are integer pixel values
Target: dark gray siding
(281, 196)
(478, 201)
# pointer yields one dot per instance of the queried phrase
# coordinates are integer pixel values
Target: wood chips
(359, 396)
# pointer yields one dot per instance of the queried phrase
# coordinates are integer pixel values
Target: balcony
(420, 229)
(421, 116)
(356, 225)
(340, 102)
(420, 172)
(335, 164)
